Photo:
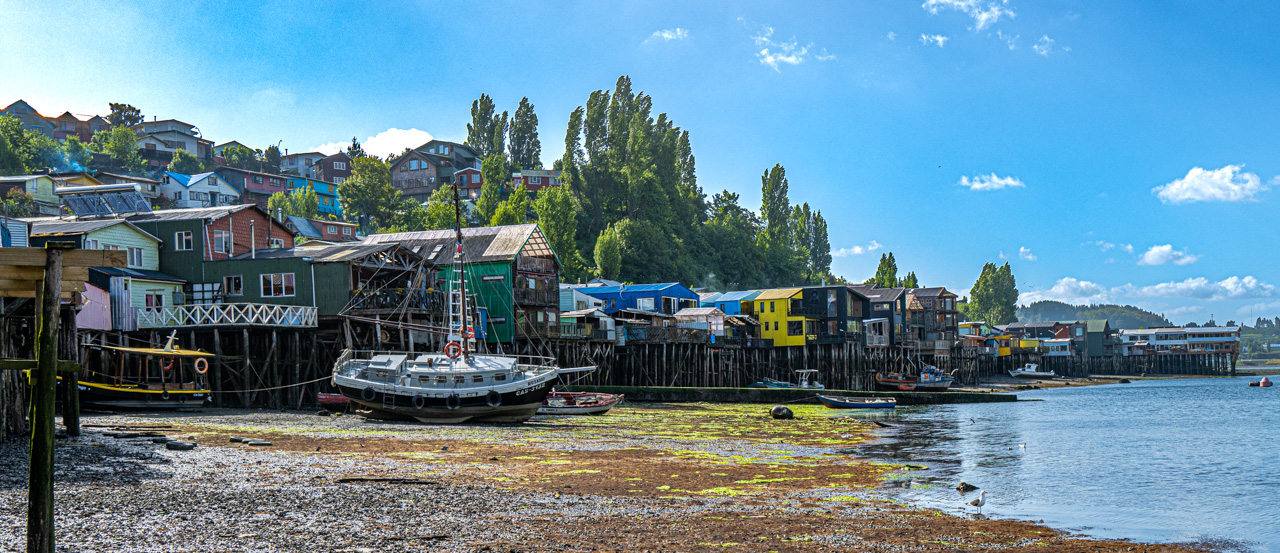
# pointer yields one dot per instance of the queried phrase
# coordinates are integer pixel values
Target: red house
(469, 182)
(255, 188)
(535, 179)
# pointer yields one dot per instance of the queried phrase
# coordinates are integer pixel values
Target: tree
(526, 150)
(479, 133)
(494, 173)
(185, 163)
(994, 298)
(163, 202)
(124, 115)
(44, 153)
(18, 203)
(367, 196)
(242, 157)
(13, 146)
(732, 228)
(558, 219)
(886, 272)
(121, 143)
(302, 202)
(909, 281)
(608, 254)
(514, 210)
(355, 150)
(76, 154)
(271, 159)
(440, 210)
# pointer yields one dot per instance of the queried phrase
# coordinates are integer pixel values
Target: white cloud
(1159, 255)
(1069, 290)
(386, 143)
(775, 52)
(1003, 256)
(1260, 309)
(934, 39)
(1012, 41)
(1204, 289)
(1128, 248)
(1104, 245)
(1183, 311)
(892, 35)
(669, 34)
(991, 182)
(856, 250)
(1043, 46)
(825, 56)
(1228, 184)
(1024, 253)
(983, 13)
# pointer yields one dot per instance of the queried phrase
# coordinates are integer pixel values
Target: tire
(453, 402)
(419, 402)
(493, 398)
(164, 395)
(368, 394)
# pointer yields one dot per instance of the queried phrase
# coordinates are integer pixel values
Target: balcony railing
(400, 299)
(744, 342)
(876, 340)
(530, 296)
(226, 314)
(665, 334)
(536, 265)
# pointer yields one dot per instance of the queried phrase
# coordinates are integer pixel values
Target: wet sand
(690, 477)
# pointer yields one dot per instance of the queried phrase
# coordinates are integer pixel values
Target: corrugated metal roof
(777, 294)
(709, 296)
(699, 312)
(739, 296)
(136, 273)
(929, 292)
(338, 253)
(597, 290)
(51, 226)
(189, 213)
(303, 227)
(479, 244)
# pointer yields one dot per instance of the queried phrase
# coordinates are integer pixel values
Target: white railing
(226, 314)
(877, 340)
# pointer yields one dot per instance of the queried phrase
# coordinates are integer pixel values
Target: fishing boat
(930, 379)
(451, 386)
(144, 378)
(845, 402)
(805, 377)
(578, 403)
(1032, 370)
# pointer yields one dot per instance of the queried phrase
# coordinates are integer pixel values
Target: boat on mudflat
(1032, 370)
(930, 379)
(845, 402)
(578, 403)
(144, 378)
(805, 377)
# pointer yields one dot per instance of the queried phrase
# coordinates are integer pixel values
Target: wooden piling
(40, 536)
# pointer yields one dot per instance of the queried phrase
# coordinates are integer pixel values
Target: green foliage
(494, 173)
(185, 163)
(355, 150)
(514, 210)
(440, 210)
(124, 115)
(302, 202)
(271, 159)
(18, 203)
(1119, 316)
(163, 202)
(12, 145)
(487, 131)
(368, 197)
(608, 254)
(44, 153)
(75, 154)
(732, 229)
(242, 157)
(121, 143)
(886, 272)
(558, 218)
(909, 281)
(526, 149)
(994, 297)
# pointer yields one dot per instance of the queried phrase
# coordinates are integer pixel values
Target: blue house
(668, 297)
(731, 302)
(326, 194)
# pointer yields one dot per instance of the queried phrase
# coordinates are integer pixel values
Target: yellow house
(774, 308)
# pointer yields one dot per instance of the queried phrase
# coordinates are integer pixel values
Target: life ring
(167, 364)
(164, 395)
(453, 402)
(367, 394)
(453, 350)
(469, 333)
(419, 402)
(493, 398)
(202, 366)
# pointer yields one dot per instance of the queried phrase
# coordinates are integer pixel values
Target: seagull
(979, 502)
(1023, 445)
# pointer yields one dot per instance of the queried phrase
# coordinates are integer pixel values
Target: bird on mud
(979, 502)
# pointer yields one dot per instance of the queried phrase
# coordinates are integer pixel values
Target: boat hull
(884, 383)
(94, 394)
(514, 406)
(607, 402)
(856, 403)
(1033, 376)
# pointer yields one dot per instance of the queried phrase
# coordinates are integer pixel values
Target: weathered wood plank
(34, 257)
(31, 274)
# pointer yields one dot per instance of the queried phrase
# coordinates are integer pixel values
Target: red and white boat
(578, 403)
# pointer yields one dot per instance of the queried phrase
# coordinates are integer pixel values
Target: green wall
(495, 296)
(332, 292)
(124, 237)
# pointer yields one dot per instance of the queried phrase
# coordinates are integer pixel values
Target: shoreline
(703, 477)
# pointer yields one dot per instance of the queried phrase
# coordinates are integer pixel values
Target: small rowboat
(845, 402)
(1032, 370)
(578, 403)
(330, 401)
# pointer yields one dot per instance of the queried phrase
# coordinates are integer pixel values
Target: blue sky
(1109, 151)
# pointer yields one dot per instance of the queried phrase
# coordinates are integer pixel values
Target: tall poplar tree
(608, 254)
(994, 297)
(558, 218)
(479, 135)
(522, 139)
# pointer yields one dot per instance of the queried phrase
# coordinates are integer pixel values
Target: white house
(171, 135)
(304, 163)
(202, 190)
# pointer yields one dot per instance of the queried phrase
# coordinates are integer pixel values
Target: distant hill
(1120, 316)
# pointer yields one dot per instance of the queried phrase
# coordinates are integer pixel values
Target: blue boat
(845, 402)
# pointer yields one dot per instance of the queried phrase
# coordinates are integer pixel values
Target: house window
(346, 231)
(339, 180)
(90, 244)
(277, 285)
(475, 179)
(331, 229)
(234, 285)
(155, 298)
(775, 325)
(182, 241)
(222, 241)
(257, 179)
(413, 164)
(795, 328)
(177, 195)
(340, 166)
(135, 257)
(535, 180)
(645, 304)
(308, 162)
(277, 242)
(771, 307)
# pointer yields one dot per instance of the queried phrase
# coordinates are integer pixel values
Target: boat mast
(462, 273)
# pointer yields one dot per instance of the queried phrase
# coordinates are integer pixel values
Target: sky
(1110, 152)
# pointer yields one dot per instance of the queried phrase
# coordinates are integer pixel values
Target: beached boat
(805, 377)
(451, 386)
(144, 378)
(578, 403)
(1032, 370)
(845, 402)
(930, 379)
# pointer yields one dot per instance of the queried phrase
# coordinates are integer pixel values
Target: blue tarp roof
(304, 227)
(595, 290)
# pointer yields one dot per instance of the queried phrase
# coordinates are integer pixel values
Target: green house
(511, 271)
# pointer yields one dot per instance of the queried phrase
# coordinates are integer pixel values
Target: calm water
(1168, 461)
